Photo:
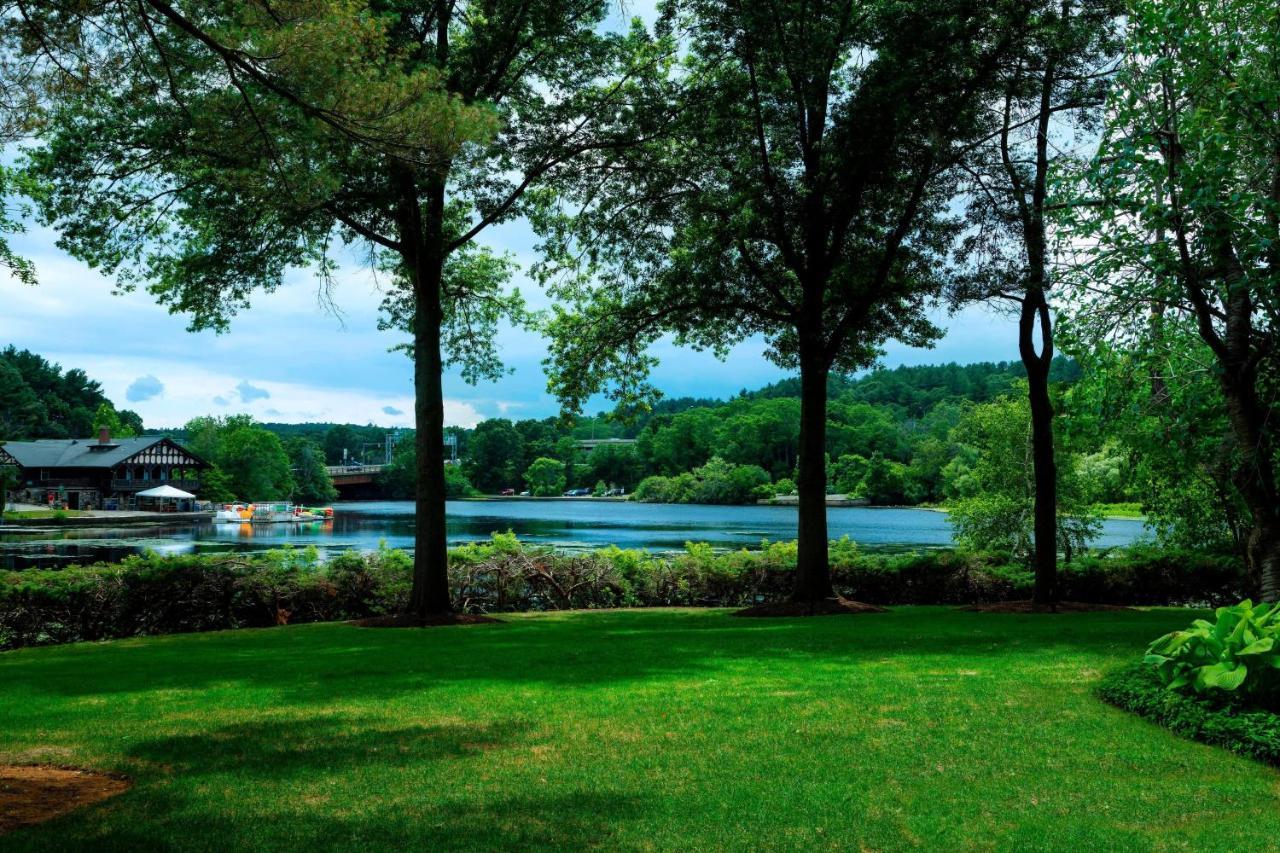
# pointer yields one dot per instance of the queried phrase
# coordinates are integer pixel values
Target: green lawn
(42, 513)
(660, 729)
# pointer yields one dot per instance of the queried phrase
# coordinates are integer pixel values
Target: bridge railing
(352, 470)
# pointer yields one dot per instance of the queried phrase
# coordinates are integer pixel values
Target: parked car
(577, 493)
(508, 493)
(615, 493)
(525, 493)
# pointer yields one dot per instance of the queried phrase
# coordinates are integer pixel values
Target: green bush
(1239, 652)
(1221, 721)
(154, 595)
(717, 482)
(546, 477)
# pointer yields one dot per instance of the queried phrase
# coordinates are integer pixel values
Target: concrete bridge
(351, 477)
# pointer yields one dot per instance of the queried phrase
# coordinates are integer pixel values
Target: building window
(44, 473)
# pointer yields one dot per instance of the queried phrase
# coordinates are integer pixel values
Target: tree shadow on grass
(322, 664)
(323, 784)
(163, 821)
(281, 749)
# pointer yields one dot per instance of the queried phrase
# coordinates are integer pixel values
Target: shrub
(546, 477)
(1237, 653)
(1228, 723)
(717, 482)
(151, 594)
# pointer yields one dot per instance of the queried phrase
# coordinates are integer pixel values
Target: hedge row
(156, 595)
(1249, 731)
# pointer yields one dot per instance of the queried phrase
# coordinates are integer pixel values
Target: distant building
(100, 473)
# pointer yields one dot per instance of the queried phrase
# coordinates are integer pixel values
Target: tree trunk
(1238, 377)
(1265, 555)
(1255, 479)
(422, 237)
(813, 571)
(1044, 465)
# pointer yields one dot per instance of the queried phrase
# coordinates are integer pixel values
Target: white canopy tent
(166, 492)
(165, 499)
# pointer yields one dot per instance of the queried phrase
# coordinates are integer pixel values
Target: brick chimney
(104, 435)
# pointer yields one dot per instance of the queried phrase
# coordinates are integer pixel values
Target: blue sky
(289, 359)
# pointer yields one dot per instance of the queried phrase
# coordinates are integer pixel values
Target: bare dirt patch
(1027, 606)
(405, 620)
(32, 794)
(825, 607)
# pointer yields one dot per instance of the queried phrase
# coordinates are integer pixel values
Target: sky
(290, 359)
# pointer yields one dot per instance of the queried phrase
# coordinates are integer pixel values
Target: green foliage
(495, 455)
(545, 477)
(312, 483)
(992, 497)
(884, 482)
(1176, 264)
(252, 459)
(400, 478)
(682, 435)
(717, 482)
(1166, 417)
(1238, 653)
(848, 474)
(616, 466)
(477, 281)
(106, 417)
(1248, 731)
(216, 486)
(342, 444)
(166, 594)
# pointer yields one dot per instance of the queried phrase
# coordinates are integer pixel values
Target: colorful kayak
(270, 512)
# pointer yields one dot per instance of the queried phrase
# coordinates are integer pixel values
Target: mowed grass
(925, 727)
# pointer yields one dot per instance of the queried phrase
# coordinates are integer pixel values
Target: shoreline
(104, 518)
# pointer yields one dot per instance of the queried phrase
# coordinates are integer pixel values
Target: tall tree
(312, 483)
(211, 147)
(1053, 92)
(801, 194)
(21, 412)
(1178, 226)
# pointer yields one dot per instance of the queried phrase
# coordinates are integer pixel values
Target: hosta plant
(1238, 653)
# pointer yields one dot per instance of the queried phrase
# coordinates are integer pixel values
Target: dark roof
(81, 452)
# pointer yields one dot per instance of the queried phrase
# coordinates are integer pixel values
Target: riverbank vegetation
(157, 594)
(666, 730)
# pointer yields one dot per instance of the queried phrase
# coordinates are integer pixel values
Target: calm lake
(573, 524)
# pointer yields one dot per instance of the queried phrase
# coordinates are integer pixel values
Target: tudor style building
(95, 473)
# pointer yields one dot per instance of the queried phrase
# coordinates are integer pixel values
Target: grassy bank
(16, 515)
(1131, 510)
(663, 729)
